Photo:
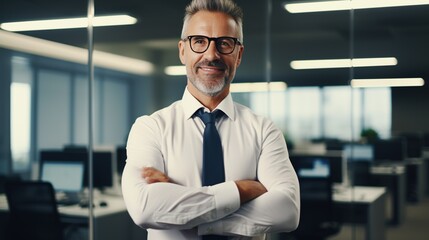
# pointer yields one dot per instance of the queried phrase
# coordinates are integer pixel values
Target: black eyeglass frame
(215, 39)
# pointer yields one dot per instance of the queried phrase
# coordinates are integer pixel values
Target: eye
(226, 42)
(199, 40)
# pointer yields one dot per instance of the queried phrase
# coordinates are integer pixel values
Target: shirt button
(227, 210)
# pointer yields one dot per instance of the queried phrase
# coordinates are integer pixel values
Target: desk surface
(115, 204)
(360, 194)
(3, 202)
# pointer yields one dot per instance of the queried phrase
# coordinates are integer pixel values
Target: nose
(212, 53)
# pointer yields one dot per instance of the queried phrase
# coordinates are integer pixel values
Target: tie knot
(208, 117)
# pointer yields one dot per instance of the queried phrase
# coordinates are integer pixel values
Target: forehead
(212, 24)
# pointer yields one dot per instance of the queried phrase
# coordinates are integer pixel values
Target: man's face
(210, 72)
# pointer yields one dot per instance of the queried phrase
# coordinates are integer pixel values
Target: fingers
(152, 175)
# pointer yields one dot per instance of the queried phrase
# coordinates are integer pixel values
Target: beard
(213, 86)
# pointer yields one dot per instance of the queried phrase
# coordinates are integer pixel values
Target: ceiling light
(343, 63)
(258, 87)
(387, 82)
(45, 48)
(324, 6)
(68, 23)
(175, 70)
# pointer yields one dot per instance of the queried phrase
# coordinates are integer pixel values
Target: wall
(5, 80)
(410, 109)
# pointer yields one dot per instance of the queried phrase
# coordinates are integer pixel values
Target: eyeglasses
(224, 45)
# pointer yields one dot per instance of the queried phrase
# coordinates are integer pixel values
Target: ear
(240, 55)
(181, 46)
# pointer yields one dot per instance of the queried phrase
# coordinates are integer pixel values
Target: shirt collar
(191, 105)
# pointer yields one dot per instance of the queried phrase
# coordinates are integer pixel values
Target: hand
(152, 175)
(249, 189)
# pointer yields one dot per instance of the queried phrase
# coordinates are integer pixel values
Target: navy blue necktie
(213, 167)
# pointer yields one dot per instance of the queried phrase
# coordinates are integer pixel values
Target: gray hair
(224, 6)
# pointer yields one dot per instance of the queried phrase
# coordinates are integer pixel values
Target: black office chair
(317, 220)
(6, 178)
(33, 211)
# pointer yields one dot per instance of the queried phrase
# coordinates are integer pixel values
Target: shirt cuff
(227, 200)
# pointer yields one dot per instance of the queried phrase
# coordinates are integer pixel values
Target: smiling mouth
(216, 67)
(211, 70)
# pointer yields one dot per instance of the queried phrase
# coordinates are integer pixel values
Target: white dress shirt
(170, 140)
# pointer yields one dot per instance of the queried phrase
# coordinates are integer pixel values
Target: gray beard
(211, 90)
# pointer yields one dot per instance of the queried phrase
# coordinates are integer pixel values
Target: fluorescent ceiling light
(258, 87)
(68, 23)
(45, 48)
(324, 6)
(175, 70)
(343, 63)
(387, 82)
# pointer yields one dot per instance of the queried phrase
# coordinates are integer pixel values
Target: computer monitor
(426, 140)
(102, 164)
(414, 144)
(359, 152)
(319, 165)
(65, 176)
(313, 167)
(102, 170)
(121, 157)
(392, 149)
(314, 174)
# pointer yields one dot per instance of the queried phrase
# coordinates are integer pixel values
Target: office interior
(78, 91)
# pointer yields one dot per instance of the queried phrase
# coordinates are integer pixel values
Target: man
(162, 180)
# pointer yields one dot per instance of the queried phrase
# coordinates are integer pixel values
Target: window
(305, 113)
(20, 114)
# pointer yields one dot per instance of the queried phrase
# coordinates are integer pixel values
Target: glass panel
(318, 105)
(46, 67)
(39, 69)
(395, 115)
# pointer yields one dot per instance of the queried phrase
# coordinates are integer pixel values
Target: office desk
(415, 179)
(394, 179)
(110, 223)
(357, 205)
(363, 205)
(426, 169)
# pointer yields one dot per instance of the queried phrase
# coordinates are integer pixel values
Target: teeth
(210, 69)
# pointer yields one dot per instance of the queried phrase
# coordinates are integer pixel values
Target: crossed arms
(248, 189)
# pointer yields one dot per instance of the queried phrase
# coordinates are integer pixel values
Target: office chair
(6, 178)
(33, 211)
(317, 220)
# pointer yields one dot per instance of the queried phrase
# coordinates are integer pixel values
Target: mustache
(215, 63)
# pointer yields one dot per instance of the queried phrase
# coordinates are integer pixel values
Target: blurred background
(46, 95)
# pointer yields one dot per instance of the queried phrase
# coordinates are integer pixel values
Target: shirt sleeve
(277, 210)
(168, 205)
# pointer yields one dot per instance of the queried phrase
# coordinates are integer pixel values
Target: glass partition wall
(44, 80)
(396, 36)
(315, 110)
(56, 102)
